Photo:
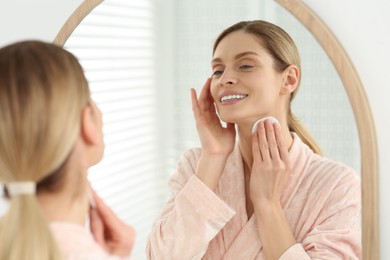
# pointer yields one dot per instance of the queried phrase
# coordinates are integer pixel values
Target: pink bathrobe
(322, 202)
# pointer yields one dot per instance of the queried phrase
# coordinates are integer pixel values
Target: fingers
(195, 103)
(206, 101)
(263, 143)
(256, 148)
(97, 227)
(107, 216)
(283, 149)
(272, 145)
(269, 142)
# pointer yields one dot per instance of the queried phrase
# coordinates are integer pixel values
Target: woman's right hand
(113, 234)
(215, 139)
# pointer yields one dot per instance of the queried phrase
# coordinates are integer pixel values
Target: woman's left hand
(271, 165)
(270, 172)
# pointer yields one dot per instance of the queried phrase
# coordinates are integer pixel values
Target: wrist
(218, 157)
(216, 153)
(267, 209)
(210, 169)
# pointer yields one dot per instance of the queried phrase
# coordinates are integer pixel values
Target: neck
(245, 141)
(69, 203)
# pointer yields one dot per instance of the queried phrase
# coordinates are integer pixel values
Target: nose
(227, 78)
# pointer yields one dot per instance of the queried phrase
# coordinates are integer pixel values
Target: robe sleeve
(336, 232)
(192, 217)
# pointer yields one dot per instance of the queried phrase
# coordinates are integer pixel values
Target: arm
(194, 214)
(192, 217)
(217, 142)
(333, 230)
(270, 170)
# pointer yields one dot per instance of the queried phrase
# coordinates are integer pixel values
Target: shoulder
(318, 172)
(333, 181)
(76, 242)
(324, 168)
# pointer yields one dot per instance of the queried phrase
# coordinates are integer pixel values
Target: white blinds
(115, 45)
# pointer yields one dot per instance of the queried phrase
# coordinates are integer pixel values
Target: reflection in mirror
(115, 45)
(321, 104)
(141, 57)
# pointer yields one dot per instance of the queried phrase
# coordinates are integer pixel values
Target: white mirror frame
(357, 97)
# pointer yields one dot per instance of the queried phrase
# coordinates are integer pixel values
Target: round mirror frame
(356, 95)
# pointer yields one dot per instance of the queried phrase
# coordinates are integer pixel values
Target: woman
(50, 134)
(266, 195)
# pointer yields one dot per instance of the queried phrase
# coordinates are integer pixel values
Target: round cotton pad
(270, 118)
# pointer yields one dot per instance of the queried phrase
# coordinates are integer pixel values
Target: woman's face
(244, 85)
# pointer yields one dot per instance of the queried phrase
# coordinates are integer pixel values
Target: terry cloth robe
(76, 242)
(322, 203)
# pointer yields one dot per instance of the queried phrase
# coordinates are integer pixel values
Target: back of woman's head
(42, 93)
(284, 52)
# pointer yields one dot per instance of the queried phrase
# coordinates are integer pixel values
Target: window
(115, 45)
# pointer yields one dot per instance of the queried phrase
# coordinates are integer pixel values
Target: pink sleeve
(192, 217)
(336, 233)
(295, 252)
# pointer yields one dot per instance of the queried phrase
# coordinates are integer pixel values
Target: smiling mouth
(232, 98)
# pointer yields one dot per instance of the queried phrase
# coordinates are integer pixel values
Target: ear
(89, 130)
(290, 80)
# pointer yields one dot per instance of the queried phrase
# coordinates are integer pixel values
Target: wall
(360, 25)
(38, 19)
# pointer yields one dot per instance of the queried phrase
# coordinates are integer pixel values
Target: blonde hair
(284, 53)
(42, 93)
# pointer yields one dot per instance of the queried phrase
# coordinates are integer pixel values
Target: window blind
(115, 45)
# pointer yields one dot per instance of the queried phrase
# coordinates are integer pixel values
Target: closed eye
(217, 73)
(244, 67)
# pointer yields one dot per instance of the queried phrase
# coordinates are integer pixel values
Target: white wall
(360, 25)
(38, 19)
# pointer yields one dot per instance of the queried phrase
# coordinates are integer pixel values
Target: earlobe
(291, 80)
(88, 126)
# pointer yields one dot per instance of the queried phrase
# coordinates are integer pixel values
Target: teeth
(232, 97)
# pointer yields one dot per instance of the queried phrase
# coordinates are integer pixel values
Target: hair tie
(21, 188)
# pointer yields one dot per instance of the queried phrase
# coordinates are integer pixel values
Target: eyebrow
(238, 56)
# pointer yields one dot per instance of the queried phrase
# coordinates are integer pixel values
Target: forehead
(238, 42)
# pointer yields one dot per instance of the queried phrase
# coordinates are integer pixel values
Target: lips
(235, 97)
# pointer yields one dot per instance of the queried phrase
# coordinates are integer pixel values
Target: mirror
(174, 45)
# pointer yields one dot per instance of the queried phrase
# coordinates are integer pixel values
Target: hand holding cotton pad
(270, 118)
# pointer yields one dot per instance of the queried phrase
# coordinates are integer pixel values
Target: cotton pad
(270, 118)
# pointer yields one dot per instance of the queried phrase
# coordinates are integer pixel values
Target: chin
(231, 119)
(239, 116)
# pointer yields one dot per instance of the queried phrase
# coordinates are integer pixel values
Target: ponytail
(296, 126)
(25, 233)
